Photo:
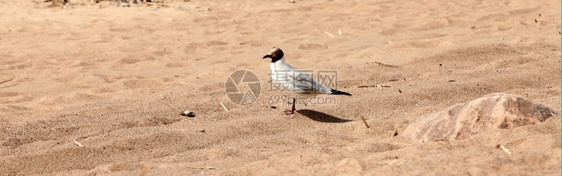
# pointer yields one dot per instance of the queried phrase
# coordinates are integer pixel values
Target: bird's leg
(294, 102)
(292, 111)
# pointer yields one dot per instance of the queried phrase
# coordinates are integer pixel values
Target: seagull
(296, 81)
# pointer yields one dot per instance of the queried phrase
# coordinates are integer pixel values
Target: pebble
(188, 114)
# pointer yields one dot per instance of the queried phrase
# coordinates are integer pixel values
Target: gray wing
(304, 82)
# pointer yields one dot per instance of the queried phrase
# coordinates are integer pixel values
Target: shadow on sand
(321, 117)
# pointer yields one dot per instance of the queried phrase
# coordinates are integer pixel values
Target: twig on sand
(157, 3)
(204, 168)
(80, 138)
(394, 66)
(380, 85)
(504, 149)
(400, 163)
(329, 34)
(447, 144)
(365, 122)
(77, 143)
(224, 107)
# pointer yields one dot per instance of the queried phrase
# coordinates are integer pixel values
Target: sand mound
(493, 111)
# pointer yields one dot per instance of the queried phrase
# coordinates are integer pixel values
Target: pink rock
(493, 111)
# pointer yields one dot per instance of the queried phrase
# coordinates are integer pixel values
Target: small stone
(188, 114)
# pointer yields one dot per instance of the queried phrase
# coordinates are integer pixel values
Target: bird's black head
(275, 55)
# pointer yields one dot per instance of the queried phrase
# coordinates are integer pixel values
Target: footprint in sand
(142, 83)
(107, 89)
(216, 43)
(7, 82)
(417, 44)
(433, 25)
(14, 97)
(127, 61)
(174, 64)
(312, 46)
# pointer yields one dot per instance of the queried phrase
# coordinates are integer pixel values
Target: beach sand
(98, 89)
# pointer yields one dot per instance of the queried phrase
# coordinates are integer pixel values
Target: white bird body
(296, 81)
(285, 77)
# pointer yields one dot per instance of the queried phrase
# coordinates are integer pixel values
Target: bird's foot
(292, 111)
(289, 112)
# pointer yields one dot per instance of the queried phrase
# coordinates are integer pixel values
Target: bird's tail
(337, 92)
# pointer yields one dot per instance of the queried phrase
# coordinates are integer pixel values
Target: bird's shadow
(321, 117)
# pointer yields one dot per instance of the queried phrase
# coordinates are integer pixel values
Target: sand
(115, 80)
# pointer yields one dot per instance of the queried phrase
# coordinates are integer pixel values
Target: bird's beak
(267, 56)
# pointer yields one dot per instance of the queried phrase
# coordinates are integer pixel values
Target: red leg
(292, 111)
(294, 102)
